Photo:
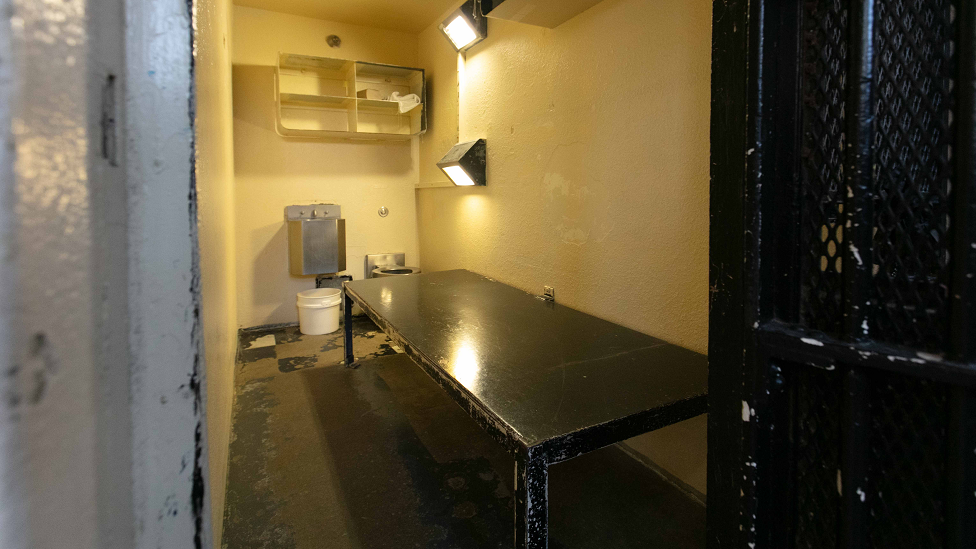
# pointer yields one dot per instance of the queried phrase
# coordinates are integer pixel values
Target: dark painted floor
(379, 457)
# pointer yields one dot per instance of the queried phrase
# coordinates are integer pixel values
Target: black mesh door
(842, 366)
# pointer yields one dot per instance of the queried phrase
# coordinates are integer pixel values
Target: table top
(545, 370)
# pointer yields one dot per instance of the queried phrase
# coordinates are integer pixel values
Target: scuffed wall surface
(49, 410)
(598, 150)
(109, 226)
(168, 382)
(215, 199)
(99, 342)
(12, 517)
(679, 449)
(273, 171)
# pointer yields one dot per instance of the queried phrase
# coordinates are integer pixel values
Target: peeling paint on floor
(263, 341)
(380, 457)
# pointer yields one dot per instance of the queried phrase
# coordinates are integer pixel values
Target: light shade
(466, 163)
(466, 26)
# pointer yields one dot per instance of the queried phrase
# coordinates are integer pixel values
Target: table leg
(347, 326)
(531, 502)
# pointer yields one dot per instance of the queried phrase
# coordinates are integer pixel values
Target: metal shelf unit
(316, 97)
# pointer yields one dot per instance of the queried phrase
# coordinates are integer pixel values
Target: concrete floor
(379, 457)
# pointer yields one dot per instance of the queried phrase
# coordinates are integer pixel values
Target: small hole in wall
(333, 41)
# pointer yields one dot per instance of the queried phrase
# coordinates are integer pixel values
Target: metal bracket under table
(548, 382)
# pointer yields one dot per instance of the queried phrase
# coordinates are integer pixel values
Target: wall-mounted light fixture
(466, 26)
(466, 163)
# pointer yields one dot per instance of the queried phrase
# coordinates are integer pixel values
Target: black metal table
(548, 382)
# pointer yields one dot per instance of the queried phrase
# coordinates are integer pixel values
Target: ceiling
(402, 15)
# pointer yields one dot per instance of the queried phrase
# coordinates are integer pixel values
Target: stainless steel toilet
(383, 265)
(393, 270)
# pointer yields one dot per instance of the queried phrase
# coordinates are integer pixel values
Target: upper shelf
(325, 101)
(319, 97)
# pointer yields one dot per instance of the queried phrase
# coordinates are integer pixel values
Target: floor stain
(295, 363)
(379, 457)
(253, 430)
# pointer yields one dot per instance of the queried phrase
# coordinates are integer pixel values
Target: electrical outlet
(549, 293)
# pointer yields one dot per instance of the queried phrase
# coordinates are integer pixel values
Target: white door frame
(102, 430)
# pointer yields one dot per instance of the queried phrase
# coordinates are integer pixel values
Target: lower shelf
(355, 136)
(301, 115)
(338, 124)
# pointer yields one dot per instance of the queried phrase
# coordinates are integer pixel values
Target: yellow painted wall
(598, 148)
(273, 171)
(440, 63)
(215, 193)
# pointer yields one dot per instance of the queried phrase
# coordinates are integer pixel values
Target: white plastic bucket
(318, 311)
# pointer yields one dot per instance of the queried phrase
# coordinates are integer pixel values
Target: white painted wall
(598, 174)
(101, 416)
(273, 171)
(13, 518)
(169, 387)
(60, 276)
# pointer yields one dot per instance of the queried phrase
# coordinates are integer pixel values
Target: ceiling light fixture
(466, 26)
